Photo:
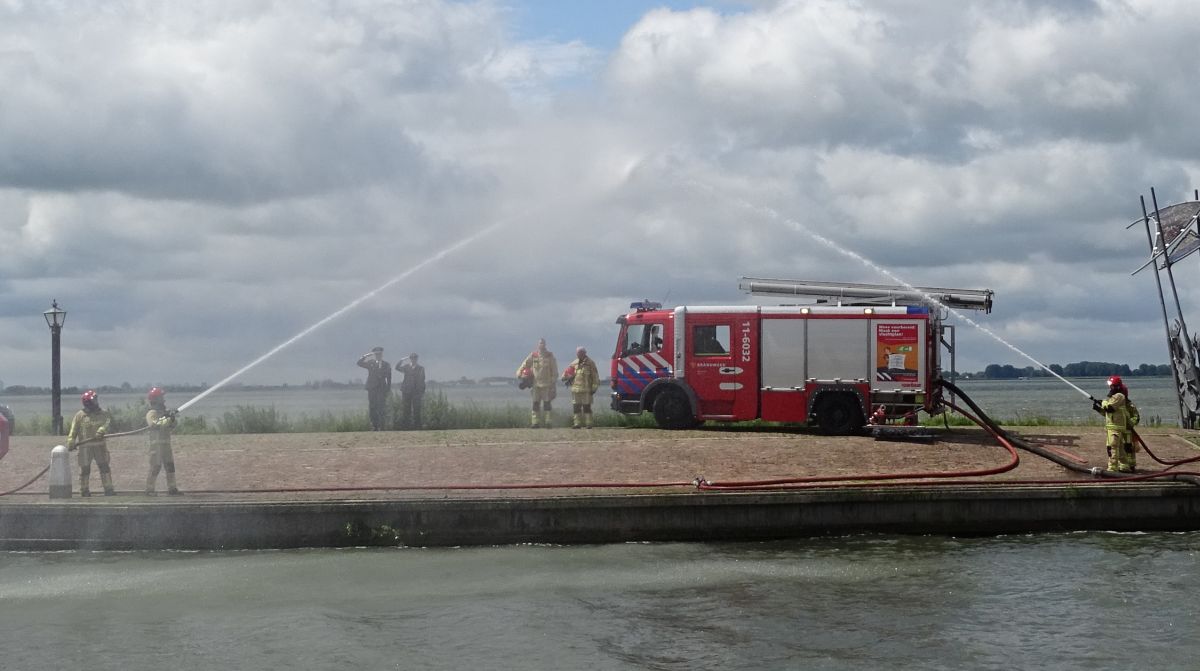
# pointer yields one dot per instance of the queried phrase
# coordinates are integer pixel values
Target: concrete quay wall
(707, 516)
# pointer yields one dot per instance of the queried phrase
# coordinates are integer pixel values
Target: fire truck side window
(635, 335)
(655, 341)
(710, 340)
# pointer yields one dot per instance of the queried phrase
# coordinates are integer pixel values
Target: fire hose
(82, 442)
(1058, 458)
(978, 416)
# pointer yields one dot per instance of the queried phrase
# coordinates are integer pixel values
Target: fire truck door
(723, 368)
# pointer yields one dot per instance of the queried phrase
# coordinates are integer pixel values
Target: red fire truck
(856, 348)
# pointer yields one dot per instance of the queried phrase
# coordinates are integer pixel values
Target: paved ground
(314, 466)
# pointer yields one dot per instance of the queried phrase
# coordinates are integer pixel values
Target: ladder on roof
(871, 294)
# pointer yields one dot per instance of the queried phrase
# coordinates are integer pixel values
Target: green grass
(438, 413)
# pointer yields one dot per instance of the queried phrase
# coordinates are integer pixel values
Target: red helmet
(1115, 383)
(155, 394)
(89, 398)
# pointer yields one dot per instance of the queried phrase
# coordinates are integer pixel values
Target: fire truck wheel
(672, 410)
(839, 415)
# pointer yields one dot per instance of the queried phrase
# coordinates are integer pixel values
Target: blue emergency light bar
(642, 306)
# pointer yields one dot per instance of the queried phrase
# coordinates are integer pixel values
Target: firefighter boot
(84, 489)
(577, 417)
(587, 419)
(172, 488)
(151, 480)
(1128, 459)
(106, 480)
(535, 419)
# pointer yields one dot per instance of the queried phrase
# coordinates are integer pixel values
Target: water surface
(1071, 601)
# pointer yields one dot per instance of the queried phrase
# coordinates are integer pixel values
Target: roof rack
(870, 294)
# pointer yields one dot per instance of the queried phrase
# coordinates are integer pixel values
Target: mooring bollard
(60, 473)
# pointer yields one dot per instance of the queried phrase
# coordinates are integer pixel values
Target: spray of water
(344, 309)
(796, 225)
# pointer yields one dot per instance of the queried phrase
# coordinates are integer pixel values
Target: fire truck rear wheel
(839, 415)
(672, 410)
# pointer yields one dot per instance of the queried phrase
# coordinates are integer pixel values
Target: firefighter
(379, 386)
(412, 391)
(583, 379)
(160, 422)
(1120, 416)
(543, 370)
(88, 428)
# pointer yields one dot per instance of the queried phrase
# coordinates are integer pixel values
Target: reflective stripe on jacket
(85, 425)
(160, 423)
(544, 367)
(587, 378)
(1120, 414)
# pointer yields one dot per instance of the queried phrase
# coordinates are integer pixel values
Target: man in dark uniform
(379, 386)
(412, 390)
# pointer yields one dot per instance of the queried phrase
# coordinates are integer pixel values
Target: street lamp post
(55, 317)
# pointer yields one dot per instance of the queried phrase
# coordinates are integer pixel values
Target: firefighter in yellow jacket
(1120, 416)
(160, 421)
(584, 379)
(88, 428)
(542, 371)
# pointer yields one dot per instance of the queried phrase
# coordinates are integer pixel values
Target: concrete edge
(708, 516)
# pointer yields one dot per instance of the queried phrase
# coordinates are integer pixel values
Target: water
(1045, 397)
(845, 251)
(435, 258)
(1002, 399)
(1073, 601)
(293, 402)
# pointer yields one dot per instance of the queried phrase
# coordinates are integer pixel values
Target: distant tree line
(997, 371)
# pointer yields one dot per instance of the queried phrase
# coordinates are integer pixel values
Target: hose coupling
(1096, 471)
(699, 481)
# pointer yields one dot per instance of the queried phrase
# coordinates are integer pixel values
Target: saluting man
(412, 391)
(379, 386)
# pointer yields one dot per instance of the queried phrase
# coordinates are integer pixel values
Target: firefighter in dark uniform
(88, 428)
(160, 421)
(379, 386)
(412, 391)
(1120, 416)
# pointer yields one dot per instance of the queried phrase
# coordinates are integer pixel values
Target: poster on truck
(897, 353)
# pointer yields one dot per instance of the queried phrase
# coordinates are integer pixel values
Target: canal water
(1070, 601)
(1046, 398)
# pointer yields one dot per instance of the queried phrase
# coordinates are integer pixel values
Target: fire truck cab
(828, 363)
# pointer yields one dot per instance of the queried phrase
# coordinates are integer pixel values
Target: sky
(197, 183)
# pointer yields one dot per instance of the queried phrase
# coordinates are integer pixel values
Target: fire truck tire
(672, 410)
(839, 415)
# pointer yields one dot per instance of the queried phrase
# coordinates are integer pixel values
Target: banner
(897, 353)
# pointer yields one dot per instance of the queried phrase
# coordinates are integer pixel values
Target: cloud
(198, 183)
